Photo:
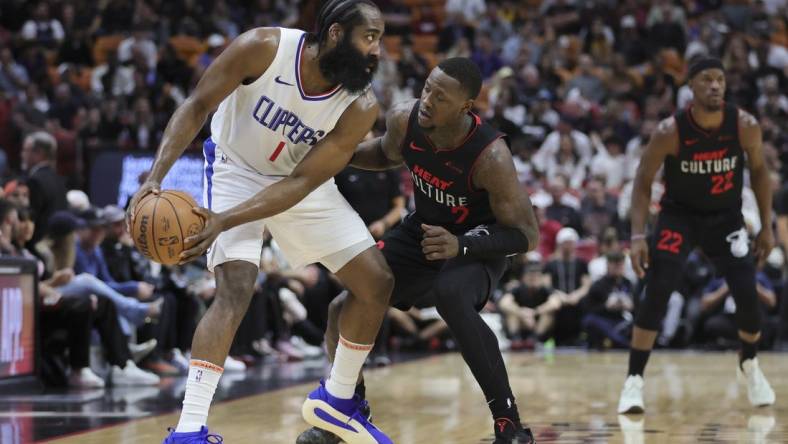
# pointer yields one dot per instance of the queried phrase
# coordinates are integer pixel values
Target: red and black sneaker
(511, 432)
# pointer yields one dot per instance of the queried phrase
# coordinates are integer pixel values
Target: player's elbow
(197, 107)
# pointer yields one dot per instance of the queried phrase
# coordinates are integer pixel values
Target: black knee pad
(662, 280)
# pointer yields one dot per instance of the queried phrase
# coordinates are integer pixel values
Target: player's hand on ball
(639, 256)
(199, 243)
(146, 188)
(764, 243)
(438, 243)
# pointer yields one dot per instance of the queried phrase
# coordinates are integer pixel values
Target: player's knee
(383, 280)
(234, 287)
(451, 294)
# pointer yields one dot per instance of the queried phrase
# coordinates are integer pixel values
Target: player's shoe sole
(342, 417)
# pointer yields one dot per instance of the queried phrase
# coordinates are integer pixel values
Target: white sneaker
(139, 351)
(309, 351)
(233, 365)
(759, 391)
(179, 360)
(84, 378)
(132, 375)
(631, 400)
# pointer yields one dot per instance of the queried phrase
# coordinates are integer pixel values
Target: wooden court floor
(565, 398)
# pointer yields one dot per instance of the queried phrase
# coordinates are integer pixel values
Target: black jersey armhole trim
(404, 143)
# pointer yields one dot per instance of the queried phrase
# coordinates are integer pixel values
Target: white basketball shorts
(322, 228)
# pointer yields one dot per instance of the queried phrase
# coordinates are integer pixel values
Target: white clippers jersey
(270, 124)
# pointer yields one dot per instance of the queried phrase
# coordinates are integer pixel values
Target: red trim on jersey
(299, 59)
(476, 161)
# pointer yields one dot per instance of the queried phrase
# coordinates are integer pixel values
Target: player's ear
(467, 106)
(335, 33)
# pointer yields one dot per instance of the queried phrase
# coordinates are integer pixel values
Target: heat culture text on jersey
(273, 116)
(713, 162)
(436, 188)
(706, 174)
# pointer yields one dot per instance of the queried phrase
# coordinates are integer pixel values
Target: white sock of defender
(200, 386)
(348, 361)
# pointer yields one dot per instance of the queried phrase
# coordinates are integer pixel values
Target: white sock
(200, 386)
(348, 361)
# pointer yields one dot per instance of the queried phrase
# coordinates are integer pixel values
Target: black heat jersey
(707, 174)
(442, 179)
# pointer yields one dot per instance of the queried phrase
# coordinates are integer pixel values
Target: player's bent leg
(212, 340)
(461, 289)
(334, 406)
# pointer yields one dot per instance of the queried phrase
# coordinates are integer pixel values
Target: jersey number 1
(721, 183)
(277, 151)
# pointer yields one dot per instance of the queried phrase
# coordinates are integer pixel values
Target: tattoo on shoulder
(747, 119)
(666, 126)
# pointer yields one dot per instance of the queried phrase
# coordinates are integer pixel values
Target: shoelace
(358, 416)
(217, 438)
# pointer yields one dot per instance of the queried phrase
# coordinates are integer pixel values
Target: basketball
(161, 223)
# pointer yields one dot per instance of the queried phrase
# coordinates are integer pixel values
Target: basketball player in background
(292, 107)
(471, 213)
(703, 151)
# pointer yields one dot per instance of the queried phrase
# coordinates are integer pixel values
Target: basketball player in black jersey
(703, 149)
(471, 213)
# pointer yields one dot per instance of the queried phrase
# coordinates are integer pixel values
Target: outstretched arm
(322, 162)
(385, 152)
(752, 141)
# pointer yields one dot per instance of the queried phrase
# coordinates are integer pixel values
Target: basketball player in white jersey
(292, 107)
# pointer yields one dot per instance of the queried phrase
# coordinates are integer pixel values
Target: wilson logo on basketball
(142, 239)
(167, 241)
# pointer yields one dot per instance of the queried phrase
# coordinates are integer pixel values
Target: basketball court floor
(566, 397)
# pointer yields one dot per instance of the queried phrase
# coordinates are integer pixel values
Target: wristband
(635, 237)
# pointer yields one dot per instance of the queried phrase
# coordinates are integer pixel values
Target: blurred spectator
(43, 29)
(564, 206)
(598, 210)
(529, 309)
(13, 76)
(17, 192)
(486, 56)
(569, 275)
(47, 190)
(609, 306)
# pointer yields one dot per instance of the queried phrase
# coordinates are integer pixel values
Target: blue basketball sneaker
(200, 437)
(344, 418)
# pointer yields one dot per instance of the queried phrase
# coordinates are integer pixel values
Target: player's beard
(347, 65)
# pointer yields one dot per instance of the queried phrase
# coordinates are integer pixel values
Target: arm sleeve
(498, 241)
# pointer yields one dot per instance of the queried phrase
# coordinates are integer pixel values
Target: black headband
(703, 64)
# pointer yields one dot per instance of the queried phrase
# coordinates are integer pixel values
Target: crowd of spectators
(577, 86)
